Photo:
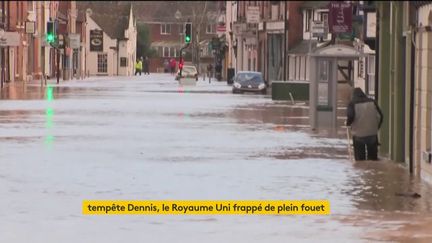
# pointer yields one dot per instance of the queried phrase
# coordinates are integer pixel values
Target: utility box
(287, 90)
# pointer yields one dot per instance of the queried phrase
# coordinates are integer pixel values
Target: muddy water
(143, 137)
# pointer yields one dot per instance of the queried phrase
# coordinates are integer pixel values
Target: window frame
(165, 29)
(102, 67)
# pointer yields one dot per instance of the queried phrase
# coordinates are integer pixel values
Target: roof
(164, 11)
(302, 47)
(419, 4)
(113, 20)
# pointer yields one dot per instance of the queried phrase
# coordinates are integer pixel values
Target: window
(165, 29)
(324, 17)
(181, 29)
(210, 29)
(123, 62)
(102, 62)
(308, 19)
(166, 51)
(371, 73)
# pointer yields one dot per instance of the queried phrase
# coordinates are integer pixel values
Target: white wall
(92, 64)
(316, 16)
(423, 14)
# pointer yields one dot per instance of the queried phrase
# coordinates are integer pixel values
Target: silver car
(189, 71)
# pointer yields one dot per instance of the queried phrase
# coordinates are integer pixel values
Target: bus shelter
(325, 66)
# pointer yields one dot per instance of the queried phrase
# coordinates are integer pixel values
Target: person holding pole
(365, 118)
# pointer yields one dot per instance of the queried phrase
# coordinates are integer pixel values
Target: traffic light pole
(181, 58)
(58, 65)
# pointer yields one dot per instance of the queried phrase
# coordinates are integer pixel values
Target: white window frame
(163, 29)
(308, 18)
(102, 67)
(165, 51)
(212, 28)
(181, 29)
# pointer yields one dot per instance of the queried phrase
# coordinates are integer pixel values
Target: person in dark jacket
(365, 118)
(146, 66)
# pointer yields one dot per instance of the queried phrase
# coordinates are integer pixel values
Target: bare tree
(198, 13)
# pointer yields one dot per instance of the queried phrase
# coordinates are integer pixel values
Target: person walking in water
(365, 118)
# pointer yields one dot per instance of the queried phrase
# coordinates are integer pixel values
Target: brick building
(166, 21)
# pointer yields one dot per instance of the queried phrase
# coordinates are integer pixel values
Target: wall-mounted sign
(9, 39)
(239, 28)
(30, 27)
(340, 17)
(319, 29)
(74, 41)
(253, 15)
(96, 40)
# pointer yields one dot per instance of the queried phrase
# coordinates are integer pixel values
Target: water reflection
(380, 186)
(374, 185)
(49, 114)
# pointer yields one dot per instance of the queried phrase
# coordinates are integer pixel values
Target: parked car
(248, 81)
(189, 71)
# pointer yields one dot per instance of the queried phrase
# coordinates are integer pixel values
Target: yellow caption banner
(192, 207)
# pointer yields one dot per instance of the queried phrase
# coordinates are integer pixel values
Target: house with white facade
(111, 39)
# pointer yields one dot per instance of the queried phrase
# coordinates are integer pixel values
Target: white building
(110, 39)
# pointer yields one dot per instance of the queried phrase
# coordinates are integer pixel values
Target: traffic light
(51, 32)
(188, 33)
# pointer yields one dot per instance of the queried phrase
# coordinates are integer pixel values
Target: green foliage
(143, 42)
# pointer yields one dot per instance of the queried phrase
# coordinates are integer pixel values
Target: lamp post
(178, 16)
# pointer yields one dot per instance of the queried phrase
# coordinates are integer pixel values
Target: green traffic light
(50, 38)
(187, 39)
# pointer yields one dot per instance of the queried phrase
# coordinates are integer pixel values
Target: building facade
(30, 57)
(110, 37)
(166, 21)
(404, 78)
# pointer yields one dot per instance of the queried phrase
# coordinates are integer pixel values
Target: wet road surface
(142, 138)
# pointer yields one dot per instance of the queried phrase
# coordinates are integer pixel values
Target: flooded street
(146, 138)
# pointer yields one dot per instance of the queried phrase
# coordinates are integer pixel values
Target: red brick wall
(155, 33)
(295, 24)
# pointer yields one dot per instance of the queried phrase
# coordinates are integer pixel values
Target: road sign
(319, 29)
(253, 15)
